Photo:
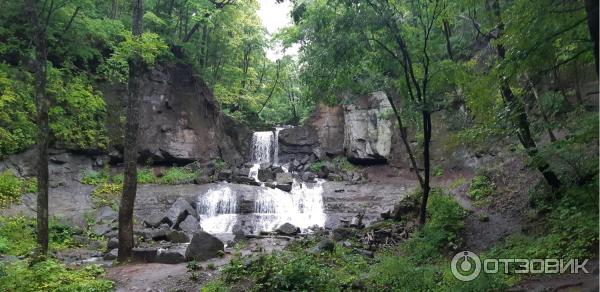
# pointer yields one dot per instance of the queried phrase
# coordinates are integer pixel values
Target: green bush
(316, 166)
(177, 175)
(17, 235)
(481, 187)
(12, 187)
(50, 275)
(441, 231)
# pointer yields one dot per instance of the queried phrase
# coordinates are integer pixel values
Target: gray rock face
(106, 215)
(328, 123)
(180, 209)
(189, 225)
(368, 129)
(287, 229)
(112, 243)
(180, 120)
(203, 247)
(296, 141)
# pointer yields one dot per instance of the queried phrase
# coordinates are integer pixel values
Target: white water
(302, 207)
(217, 210)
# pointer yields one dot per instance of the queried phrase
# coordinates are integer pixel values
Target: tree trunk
(41, 54)
(136, 67)
(447, 34)
(114, 9)
(591, 8)
(517, 110)
(426, 165)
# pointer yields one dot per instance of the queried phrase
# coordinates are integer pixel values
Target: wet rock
(266, 174)
(203, 247)
(171, 256)
(156, 220)
(241, 172)
(334, 177)
(101, 229)
(284, 181)
(106, 215)
(111, 255)
(287, 229)
(364, 252)
(343, 233)
(175, 236)
(189, 225)
(224, 174)
(326, 245)
(112, 243)
(146, 255)
(180, 209)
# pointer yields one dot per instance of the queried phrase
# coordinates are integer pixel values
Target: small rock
(112, 243)
(287, 229)
(343, 233)
(111, 255)
(146, 255)
(155, 220)
(101, 229)
(173, 256)
(363, 252)
(326, 245)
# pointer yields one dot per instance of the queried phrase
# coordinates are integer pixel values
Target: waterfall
(302, 206)
(217, 210)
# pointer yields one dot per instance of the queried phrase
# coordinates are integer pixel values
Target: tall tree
(136, 67)
(41, 56)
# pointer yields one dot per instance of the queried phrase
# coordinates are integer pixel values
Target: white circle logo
(465, 266)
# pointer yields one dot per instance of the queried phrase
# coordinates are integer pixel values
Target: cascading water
(217, 210)
(261, 151)
(302, 206)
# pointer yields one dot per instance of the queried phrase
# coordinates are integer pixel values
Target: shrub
(12, 187)
(107, 194)
(17, 235)
(316, 166)
(50, 275)
(481, 187)
(441, 232)
(178, 175)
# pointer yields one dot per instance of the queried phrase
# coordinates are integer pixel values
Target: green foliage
(441, 232)
(177, 175)
(12, 187)
(17, 235)
(107, 194)
(437, 170)
(171, 176)
(342, 163)
(50, 275)
(316, 166)
(78, 112)
(17, 129)
(481, 187)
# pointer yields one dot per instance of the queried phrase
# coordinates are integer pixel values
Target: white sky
(274, 17)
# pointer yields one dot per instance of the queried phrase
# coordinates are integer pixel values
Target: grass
(171, 176)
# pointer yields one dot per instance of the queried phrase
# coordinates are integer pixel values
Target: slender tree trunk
(114, 9)
(426, 165)
(447, 34)
(591, 8)
(136, 67)
(517, 110)
(542, 112)
(41, 54)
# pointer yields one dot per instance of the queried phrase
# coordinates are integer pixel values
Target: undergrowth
(12, 188)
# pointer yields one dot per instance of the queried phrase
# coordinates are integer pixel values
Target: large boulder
(203, 247)
(189, 225)
(178, 211)
(368, 129)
